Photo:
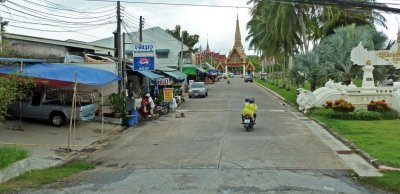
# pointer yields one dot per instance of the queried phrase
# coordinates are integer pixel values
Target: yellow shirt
(249, 109)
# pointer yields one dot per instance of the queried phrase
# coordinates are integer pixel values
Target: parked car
(53, 106)
(232, 75)
(248, 78)
(198, 89)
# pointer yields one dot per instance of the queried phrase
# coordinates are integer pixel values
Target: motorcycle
(163, 108)
(248, 123)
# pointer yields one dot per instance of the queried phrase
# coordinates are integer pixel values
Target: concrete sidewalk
(47, 144)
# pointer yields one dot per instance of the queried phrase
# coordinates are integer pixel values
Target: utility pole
(1, 29)
(181, 57)
(123, 64)
(140, 29)
(119, 53)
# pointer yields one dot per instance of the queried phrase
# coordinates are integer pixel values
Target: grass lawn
(380, 138)
(11, 154)
(37, 178)
(289, 95)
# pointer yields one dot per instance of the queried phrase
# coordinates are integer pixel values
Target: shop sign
(168, 94)
(143, 57)
(164, 81)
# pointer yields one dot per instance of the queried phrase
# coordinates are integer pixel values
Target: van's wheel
(57, 119)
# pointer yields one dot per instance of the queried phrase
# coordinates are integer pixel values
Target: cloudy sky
(215, 24)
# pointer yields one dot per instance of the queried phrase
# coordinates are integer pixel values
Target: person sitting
(249, 108)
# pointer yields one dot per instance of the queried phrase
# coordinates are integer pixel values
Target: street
(209, 151)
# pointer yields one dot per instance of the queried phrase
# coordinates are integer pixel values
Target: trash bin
(130, 120)
(135, 117)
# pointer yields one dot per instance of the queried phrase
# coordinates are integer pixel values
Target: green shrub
(342, 105)
(318, 111)
(390, 114)
(339, 115)
(378, 106)
(365, 115)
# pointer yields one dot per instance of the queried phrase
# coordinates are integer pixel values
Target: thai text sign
(143, 57)
(168, 94)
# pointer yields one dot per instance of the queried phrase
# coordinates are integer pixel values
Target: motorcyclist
(228, 79)
(249, 108)
(253, 101)
(246, 100)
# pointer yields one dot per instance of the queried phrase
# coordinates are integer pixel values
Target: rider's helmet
(247, 99)
(252, 100)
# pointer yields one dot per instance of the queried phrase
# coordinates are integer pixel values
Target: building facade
(167, 47)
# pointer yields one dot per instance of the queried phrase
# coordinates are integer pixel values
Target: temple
(237, 60)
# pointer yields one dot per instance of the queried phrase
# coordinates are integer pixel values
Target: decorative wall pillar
(244, 69)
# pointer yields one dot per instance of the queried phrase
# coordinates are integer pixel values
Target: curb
(21, 167)
(25, 165)
(374, 162)
(275, 94)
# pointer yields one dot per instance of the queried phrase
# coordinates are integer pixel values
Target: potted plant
(117, 105)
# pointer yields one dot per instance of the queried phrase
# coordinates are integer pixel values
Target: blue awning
(19, 60)
(212, 72)
(150, 74)
(176, 74)
(62, 72)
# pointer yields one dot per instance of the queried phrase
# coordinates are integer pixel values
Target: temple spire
(238, 37)
(208, 47)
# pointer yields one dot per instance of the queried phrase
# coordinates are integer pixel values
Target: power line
(61, 16)
(55, 20)
(66, 8)
(178, 4)
(46, 30)
(80, 12)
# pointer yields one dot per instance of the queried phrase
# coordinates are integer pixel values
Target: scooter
(248, 123)
(228, 81)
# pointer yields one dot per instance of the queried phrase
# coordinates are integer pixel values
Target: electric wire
(60, 16)
(56, 20)
(47, 30)
(178, 4)
(66, 8)
(105, 12)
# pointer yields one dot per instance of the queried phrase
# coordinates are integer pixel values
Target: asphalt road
(208, 151)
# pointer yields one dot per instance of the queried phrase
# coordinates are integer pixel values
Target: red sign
(164, 81)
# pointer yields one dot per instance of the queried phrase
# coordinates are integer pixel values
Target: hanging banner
(168, 94)
(143, 57)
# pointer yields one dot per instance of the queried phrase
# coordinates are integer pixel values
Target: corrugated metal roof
(56, 42)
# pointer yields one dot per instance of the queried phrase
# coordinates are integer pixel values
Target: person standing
(151, 103)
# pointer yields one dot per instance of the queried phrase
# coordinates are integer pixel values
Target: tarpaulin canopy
(189, 69)
(212, 72)
(201, 69)
(151, 75)
(61, 72)
(176, 74)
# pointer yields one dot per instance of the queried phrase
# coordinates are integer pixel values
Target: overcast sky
(218, 24)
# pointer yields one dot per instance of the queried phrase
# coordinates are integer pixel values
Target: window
(161, 55)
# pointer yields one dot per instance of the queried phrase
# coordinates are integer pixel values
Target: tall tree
(336, 48)
(188, 39)
(333, 17)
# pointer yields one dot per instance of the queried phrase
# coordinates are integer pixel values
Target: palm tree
(333, 17)
(336, 48)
